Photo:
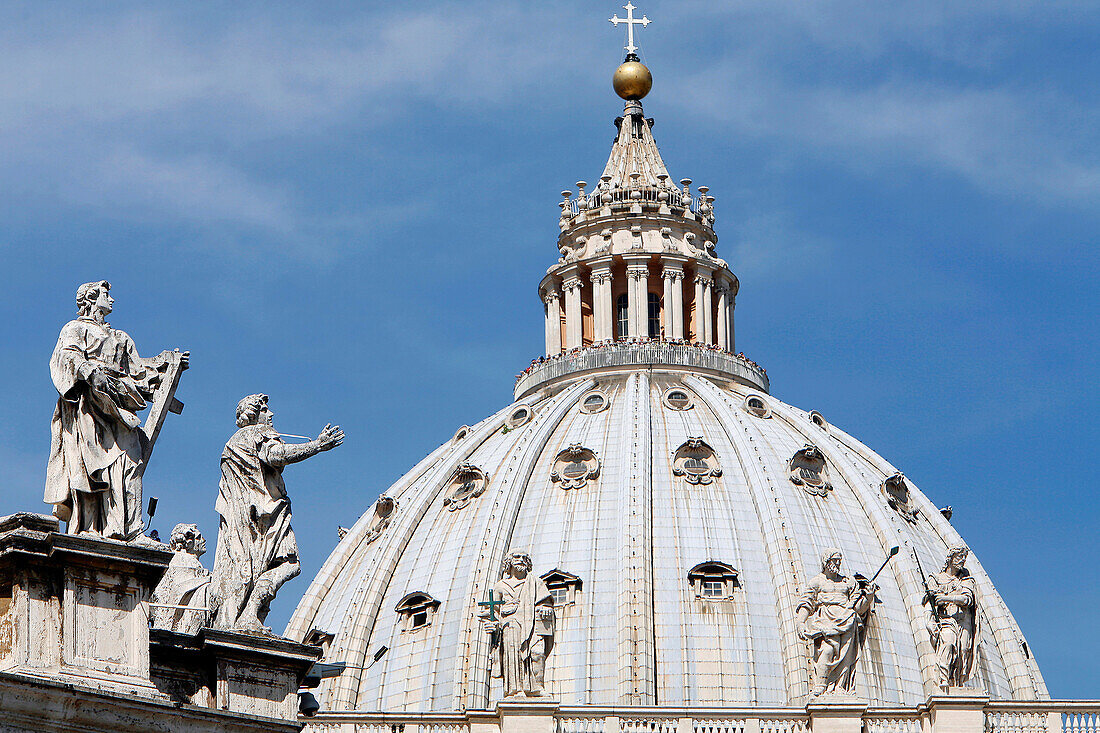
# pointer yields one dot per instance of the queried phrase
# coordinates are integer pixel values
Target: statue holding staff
(833, 613)
(954, 620)
(257, 551)
(99, 448)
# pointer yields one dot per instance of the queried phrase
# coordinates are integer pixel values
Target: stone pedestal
(958, 710)
(529, 715)
(836, 714)
(251, 674)
(75, 608)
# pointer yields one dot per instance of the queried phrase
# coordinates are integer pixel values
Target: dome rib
(474, 645)
(637, 647)
(785, 570)
(348, 549)
(363, 613)
(902, 568)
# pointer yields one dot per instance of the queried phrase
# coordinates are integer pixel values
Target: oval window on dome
(677, 398)
(696, 466)
(819, 420)
(755, 405)
(696, 462)
(575, 466)
(575, 469)
(519, 417)
(593, 402)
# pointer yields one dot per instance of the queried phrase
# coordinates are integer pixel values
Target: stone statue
(185, 584)
(833, 614)
(99, 448)
(954, 622)
(257, 551)
(523, 632)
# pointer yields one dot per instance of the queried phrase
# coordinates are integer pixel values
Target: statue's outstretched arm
(281, 454)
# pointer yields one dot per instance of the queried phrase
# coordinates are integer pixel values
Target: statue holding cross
(522, 631)
(99, 447)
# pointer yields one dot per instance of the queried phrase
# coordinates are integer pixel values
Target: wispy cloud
(153, 113)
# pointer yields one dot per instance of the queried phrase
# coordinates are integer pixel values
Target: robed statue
(833, 614)
(181, 600)
(954, 621)
(257, 551)
(522, 635)
(99, 447)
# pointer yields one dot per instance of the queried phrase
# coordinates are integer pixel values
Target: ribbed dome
(689, 486)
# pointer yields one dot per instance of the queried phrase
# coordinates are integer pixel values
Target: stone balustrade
(617, 199)
(939, 715)
(632, 354)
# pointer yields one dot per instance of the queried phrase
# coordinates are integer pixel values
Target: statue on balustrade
(954, 620)
(99, 448)
(522, 632)
(833, 615)
(181, 599)
(257, 552)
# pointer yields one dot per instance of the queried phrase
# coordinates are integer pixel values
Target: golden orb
(632, 80)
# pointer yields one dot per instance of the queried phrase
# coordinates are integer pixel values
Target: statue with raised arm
(99, 448)
(181, 598)
(257, 551)
(522, 634)
(954, 622)
(833, 613)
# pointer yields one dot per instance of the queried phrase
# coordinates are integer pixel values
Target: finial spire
(630, 21)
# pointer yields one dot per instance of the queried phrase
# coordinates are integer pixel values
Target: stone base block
(836, 713)
(251, 674)
(28, 704)
(527, 715)
(75, 608)
(960, 710)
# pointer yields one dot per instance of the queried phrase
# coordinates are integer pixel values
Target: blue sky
(348, 206)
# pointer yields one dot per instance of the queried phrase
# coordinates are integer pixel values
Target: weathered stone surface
(181, 599)
(954, 623)
(99, 447)
(35, 704)
(522, 631)
(257, 551)
(251, 674)
(76, 607)
(832, 617)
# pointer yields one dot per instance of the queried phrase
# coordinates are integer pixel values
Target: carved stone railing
(651, 353)
(543, 716)
(672, 197)
(1048, 716)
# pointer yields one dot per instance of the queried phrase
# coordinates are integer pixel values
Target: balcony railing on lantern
(1047, 716)
(649, 353)
(622, 198)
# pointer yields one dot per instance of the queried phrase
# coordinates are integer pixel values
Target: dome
(673, 506)
(637, 628)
